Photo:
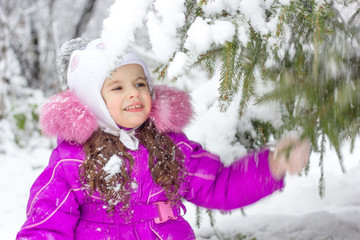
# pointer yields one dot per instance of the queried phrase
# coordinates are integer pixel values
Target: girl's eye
(117, 88)
(141, 84)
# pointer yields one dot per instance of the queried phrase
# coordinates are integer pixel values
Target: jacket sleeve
(52, 211)
(212, 185)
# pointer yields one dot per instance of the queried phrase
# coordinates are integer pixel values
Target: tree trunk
(84, 18)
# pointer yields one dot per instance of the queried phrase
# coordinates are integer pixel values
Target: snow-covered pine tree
(307, 50)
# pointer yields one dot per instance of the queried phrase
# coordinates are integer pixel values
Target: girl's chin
(132, 125)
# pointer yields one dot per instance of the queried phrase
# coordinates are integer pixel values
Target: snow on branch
(163, 26)
(125, 17)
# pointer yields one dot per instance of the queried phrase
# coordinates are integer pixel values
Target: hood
(88, 69)
(65, 116)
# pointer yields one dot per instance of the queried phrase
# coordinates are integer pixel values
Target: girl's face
(127, 97)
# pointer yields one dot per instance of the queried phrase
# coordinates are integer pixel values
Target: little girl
(123, 166)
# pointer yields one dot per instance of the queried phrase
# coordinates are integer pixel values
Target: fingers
(299, 157)
(292, 155)
(277, 168)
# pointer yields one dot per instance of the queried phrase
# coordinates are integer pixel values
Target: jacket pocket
(177, 229)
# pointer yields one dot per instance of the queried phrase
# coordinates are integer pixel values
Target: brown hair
(165, 163)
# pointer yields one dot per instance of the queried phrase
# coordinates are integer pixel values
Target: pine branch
(341, 160)
(281, 21)
(247, 92)
(321, 165)
(198, 217)
(352, 18)
(192, 11)
(227, 87)
(227, 69)
(211, 217)
(208, 59)
(352, 145)
(254, 55)
(243, 212)
(161, 71)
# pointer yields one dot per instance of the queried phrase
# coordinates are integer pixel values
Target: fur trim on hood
(66, 117)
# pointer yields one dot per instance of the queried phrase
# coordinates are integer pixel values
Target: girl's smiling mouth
(134, 108)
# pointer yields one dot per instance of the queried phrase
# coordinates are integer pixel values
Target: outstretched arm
(248, 179)
(210, 184)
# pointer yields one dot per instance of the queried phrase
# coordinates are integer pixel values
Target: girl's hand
(290, 155)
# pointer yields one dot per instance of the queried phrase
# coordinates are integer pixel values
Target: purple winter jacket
(59, 208)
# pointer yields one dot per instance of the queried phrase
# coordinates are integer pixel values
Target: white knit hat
(88, 69)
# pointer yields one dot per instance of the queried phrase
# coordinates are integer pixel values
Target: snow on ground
(18, 170)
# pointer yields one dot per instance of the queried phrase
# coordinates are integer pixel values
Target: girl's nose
(133, 92)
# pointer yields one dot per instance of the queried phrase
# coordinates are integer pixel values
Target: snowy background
(296, 213)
